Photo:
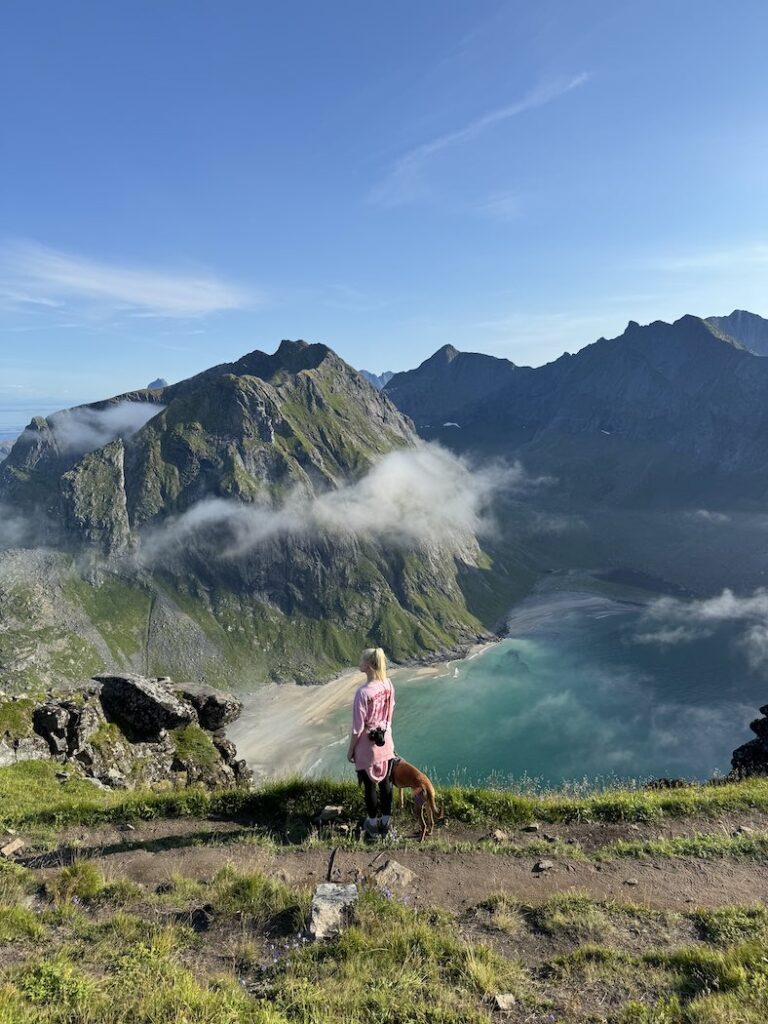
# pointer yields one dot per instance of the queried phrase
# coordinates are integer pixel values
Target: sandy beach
(284, 727)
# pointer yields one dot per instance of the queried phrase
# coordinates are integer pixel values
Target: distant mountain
(662, 415)
(442, 386)
(5, 448)
(748, 328)
(378, 380)
(189, 510)
(159, 383)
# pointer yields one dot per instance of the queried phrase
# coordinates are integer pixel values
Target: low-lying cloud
(82, 430)
(420, 495)
(672, 621)
(704, 515)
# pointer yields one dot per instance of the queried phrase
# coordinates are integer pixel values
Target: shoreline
(284, 727)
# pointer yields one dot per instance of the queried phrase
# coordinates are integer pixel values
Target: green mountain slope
(120, 566)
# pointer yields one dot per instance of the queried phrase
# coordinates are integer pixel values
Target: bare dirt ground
(152, 852)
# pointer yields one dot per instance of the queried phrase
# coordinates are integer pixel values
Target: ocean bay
(580, 688)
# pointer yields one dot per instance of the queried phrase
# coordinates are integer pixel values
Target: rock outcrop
(127, 731)
(751, 758)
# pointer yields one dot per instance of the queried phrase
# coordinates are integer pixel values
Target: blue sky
(185, 181)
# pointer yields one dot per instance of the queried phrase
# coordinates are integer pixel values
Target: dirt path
(155, 851)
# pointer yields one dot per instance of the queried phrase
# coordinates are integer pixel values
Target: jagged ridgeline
(174, 531)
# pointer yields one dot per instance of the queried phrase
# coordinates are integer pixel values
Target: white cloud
(81, 430)
(705, 516)
(684, 621)
(423, 495)
(405, 182)
(32, 274)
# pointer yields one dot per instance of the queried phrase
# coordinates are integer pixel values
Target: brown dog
(405, 776)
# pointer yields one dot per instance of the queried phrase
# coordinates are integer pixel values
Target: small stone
(631, 881)
(393, 875)
(331, 812)
(743, 830)
(533, 827)
(200, 919)
(62, 775)
(330, 910)
(127, 827)
(550, 838)
(11, 848)
(543, 865)
(500, 836)
(503, 1001)
(634, 828)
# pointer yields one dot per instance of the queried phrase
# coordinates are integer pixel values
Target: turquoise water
(578, 690)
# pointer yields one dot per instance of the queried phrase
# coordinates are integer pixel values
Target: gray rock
(543, 865)
(393, 875)
(214, 708)
(331, 909)
(505, 1002)
(331, 812)
(143, 707)
(31, 748)
(226, 748)
(51, 721)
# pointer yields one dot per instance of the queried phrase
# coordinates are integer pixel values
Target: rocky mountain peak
(748, 328)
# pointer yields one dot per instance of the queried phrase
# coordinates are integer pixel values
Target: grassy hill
(179, 906)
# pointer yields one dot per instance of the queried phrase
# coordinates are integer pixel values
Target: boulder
(30, 748)
(331, 909)
(51, 721)
(143, 707)
(214, 708)
(750, 759)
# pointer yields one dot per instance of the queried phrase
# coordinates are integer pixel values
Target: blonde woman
(371, 747)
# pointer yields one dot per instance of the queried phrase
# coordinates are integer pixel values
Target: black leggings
(377, 802)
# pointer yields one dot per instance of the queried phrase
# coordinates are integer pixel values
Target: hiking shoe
(372, 830)
(387, 831)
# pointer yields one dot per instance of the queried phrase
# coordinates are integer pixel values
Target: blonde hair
(376, 660)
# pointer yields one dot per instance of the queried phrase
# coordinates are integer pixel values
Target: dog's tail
(429, 789)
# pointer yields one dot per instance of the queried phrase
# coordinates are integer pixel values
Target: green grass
(31, 796)
(701, 846)
(16, 717)
(117, 608)
(194, 746)
(91, 964)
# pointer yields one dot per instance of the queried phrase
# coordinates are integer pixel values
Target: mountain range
(268, 517)
(664, 415)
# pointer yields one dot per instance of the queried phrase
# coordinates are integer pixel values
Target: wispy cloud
(737, 257)
(674, 621)
(405, 182)
(33, 275)
(504, 207)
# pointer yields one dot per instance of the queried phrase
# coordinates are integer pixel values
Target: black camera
(377, 736)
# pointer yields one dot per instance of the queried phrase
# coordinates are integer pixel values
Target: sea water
(583, 686)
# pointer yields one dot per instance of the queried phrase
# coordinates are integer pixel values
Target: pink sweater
(374, 706)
